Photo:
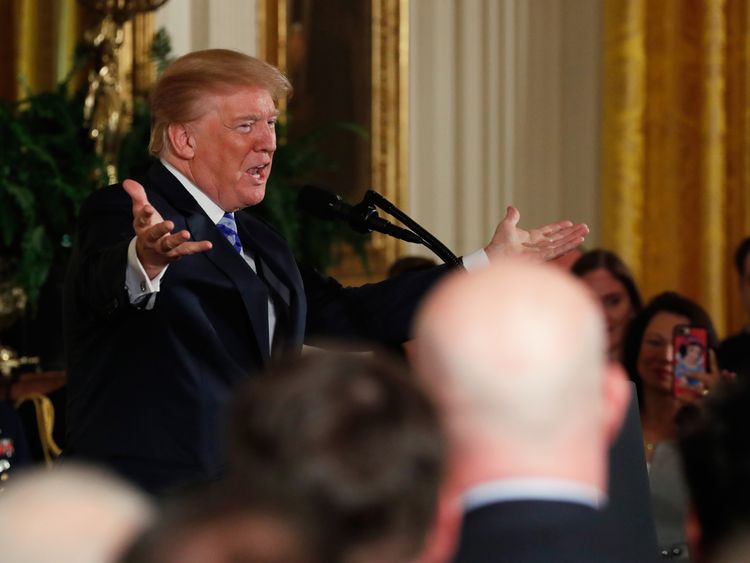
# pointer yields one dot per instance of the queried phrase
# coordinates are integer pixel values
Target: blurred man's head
(222, 525)
(516, 357)
(715, 451)
(351, 444)
(70, 514)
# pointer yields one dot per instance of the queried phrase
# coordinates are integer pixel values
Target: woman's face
(618, 310)
(656, 352)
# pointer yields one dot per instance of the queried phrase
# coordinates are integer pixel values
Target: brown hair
(601, 259)
(350, 444)
(177, 94)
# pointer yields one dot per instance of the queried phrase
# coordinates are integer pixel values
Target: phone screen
(690, 356)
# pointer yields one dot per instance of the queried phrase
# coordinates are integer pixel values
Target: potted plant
(47, 168)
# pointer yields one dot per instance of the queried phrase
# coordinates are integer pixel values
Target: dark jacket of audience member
(713, 443)
(734, 351)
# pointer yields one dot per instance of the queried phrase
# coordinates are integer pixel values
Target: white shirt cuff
(476, 260)
(141, 290)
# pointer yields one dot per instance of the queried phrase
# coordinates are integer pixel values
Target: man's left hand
(543, 243)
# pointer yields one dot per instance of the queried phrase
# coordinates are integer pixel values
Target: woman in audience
(612, 282)
(648, 356)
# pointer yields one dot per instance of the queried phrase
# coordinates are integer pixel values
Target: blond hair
(177, 95)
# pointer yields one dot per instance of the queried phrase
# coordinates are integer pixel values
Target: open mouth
(258, 172)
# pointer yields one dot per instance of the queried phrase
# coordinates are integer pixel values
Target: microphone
(362, 217)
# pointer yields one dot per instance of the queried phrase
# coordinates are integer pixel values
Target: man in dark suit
(174, 294)
(734, 351)
(515, 356)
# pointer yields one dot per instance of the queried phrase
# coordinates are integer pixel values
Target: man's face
(233, 147)
(745, 287)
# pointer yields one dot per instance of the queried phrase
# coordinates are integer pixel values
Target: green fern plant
(47, 168)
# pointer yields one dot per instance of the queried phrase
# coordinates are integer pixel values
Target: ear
(616, 398)
(182, 141)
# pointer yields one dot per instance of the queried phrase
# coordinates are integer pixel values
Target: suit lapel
(251, 289)
(281, 271)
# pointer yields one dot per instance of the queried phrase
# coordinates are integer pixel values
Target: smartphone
(690, 345)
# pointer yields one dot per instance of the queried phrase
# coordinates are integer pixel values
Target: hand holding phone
(690, 345)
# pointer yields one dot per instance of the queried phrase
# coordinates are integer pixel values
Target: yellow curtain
(676, 146)
(37, 40)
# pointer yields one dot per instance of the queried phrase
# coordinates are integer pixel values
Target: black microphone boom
(362, 217)
(428, 239)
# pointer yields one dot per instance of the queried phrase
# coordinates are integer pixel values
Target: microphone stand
(427, 238)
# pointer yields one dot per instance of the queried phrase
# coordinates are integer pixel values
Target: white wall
(503, 110)
(204, 24)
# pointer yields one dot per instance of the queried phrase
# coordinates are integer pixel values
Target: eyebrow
(254, 116)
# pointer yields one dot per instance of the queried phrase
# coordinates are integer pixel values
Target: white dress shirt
(556, 490)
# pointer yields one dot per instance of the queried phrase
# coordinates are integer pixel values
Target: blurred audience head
(613, 284)
(410, 264)
(515, 356)
(742, 265)
(715, 451)
(347, 443)
(221, 524)
(648, 353)
(69, 514)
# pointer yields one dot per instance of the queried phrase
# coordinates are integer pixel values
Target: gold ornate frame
(389, 98)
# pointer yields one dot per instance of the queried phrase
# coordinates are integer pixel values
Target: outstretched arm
(543, 243)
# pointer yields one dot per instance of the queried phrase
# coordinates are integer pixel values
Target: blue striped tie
(228, 228)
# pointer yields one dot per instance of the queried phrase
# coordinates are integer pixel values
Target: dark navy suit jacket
(148, 389)
(539, 531)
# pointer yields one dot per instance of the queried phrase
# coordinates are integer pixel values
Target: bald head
(70, 514)
(514, 351)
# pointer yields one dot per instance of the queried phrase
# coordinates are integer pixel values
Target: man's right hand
(156, 245)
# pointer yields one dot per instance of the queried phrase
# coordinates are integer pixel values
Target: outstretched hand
(156, 245)
(543, 243)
